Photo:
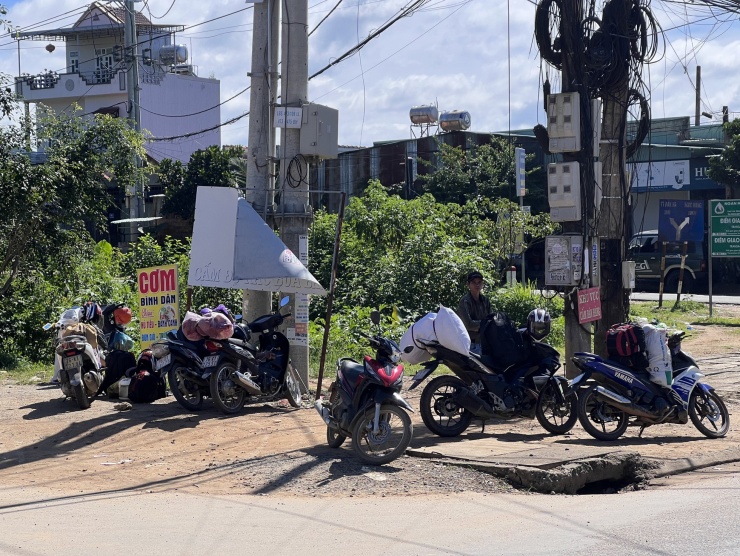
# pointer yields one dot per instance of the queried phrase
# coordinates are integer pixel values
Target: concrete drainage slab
(572, 476)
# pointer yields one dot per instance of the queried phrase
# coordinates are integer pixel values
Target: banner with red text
(159, 302)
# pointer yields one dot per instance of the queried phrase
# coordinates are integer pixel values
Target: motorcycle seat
(351, 369)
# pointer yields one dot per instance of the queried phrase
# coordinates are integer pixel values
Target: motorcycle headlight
(396, 356)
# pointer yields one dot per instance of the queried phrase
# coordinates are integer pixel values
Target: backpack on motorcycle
(625, 344)
(501, 342)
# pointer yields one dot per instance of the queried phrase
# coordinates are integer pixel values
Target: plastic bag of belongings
(211, 324)
(443, 327)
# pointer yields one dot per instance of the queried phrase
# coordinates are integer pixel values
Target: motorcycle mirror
(375, 317)
(47, 326)
(284, 301)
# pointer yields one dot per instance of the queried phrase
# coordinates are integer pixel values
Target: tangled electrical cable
(296, 174)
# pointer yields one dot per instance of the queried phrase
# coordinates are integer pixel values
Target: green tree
(725, 168)
(414, 254)
(483, 172)
(209, 167)
(46, 205)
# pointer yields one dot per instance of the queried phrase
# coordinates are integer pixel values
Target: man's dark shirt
(472, 312)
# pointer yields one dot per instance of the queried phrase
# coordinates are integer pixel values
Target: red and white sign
(589, 305)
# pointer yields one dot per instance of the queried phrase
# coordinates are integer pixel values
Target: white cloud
(454, 52)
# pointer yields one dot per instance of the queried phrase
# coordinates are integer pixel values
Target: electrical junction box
(563, 260)
(564, 122)
(320, 131)
(564, 191)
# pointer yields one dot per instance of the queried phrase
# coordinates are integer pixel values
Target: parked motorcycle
(623, 396)
(80, 372)
(529, 389)
(365, 404)
(187, 365)
(245, 373)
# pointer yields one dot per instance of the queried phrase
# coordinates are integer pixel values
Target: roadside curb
(619, 468)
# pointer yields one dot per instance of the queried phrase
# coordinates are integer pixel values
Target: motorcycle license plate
(73, 362)
(161, 363)
(210, 361)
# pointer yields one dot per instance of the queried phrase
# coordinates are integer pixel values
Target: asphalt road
(689, 517)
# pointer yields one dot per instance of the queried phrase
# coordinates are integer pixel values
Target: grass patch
(720, 321)
(25, 372)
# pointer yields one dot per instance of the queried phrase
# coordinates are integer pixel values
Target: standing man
(474, 307)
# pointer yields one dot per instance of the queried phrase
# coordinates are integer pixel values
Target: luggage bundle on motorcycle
(443, 327)
(214, 325)
(502, 344)
(625, 344)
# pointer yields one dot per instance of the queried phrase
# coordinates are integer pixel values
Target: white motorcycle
(77, 364)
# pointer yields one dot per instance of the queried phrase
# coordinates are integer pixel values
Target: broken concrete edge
(676, 467)
(568, 478)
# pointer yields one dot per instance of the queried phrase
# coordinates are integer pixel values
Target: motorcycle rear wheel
(597, 416)
(440, 414)
(709, 406)
(555, 417)
(292, 386)
(83, 402)
(389, 443)
(186, 392)
(228, 396)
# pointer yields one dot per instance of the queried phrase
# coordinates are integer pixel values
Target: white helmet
(538, 323)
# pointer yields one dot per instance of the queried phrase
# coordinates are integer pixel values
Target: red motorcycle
(365, 404)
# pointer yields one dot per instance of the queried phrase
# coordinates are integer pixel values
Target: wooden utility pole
(577, 336)
(615, 187)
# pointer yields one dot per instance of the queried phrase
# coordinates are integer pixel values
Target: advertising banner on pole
(159, 302)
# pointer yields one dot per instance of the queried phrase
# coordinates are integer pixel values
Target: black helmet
(538, 323)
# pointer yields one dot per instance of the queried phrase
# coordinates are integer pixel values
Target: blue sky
(474, 55)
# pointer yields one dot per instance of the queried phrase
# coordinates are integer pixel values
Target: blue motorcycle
(620, 396)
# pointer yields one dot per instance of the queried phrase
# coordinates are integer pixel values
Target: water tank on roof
(424, 115)
(173, 54)
(455, 120)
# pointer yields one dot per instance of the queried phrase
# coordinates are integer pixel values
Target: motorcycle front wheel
(599, 419)
(292, 386)
(389, 442)
(709, 413)
(228, 396)
(439, 412)
(556, 417)
(186, 392)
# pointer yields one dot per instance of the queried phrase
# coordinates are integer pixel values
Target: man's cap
(474, 275)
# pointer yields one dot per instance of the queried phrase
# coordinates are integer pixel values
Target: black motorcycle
(247, 373)
(188, 365)
(365, 404)
(529, 389)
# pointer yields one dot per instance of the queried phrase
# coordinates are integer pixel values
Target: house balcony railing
(49, 85)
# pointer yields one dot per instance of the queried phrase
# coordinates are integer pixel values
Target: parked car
(646, 251)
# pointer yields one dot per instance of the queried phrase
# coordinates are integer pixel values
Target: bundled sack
(501, 342)
(213, 325)
(625, 344)
(82, 329)
(421, 331)
(658, 354)
(444, 327)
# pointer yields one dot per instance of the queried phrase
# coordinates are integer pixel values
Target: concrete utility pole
(261, 142)
(294, 214)
(577, 336)
(135, 197)
(614, 301)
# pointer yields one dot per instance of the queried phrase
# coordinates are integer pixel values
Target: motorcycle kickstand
(642, 428)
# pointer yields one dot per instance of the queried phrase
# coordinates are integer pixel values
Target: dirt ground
(267, 449)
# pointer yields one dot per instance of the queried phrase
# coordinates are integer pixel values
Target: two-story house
(178, 108)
